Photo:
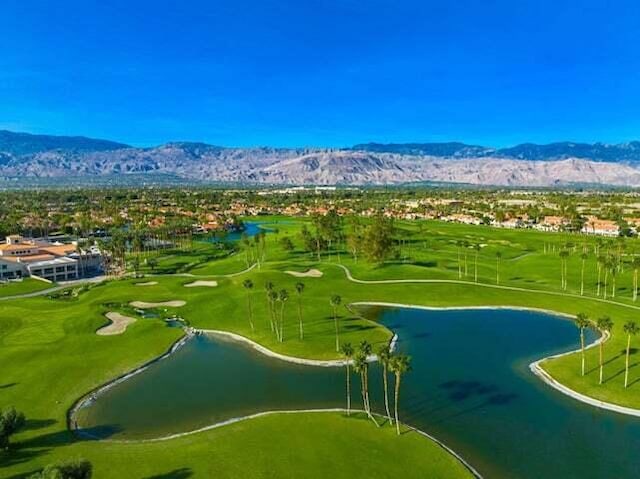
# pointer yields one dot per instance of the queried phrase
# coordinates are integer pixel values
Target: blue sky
(322, 73)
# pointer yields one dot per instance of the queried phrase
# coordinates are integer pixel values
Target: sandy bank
(118, 324)
(170, 304)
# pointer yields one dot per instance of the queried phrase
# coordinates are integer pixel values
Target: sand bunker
(148, 283)
(144, 305)
(118, 324)
(207, 284)
(312, 273)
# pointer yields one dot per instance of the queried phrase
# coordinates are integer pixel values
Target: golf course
(215, 376)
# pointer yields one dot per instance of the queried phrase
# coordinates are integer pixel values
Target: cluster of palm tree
(276, 302)
(604, 325)
(256, 250)
(396, 364)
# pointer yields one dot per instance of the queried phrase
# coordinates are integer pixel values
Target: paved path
(61, 285)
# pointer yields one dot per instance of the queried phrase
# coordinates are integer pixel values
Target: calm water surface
(470, 387)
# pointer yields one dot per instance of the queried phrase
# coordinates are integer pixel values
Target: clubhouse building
(52, 261)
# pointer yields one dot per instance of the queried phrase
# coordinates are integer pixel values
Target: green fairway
(27, 285)
(50, 345)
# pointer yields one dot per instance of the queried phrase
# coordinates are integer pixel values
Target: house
(21, 257)
(596, 226)
(552, 223)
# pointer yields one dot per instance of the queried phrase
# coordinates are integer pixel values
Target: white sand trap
(118, 324)
(148, 283)
(312, 273)
(171, 304)
(206, 284)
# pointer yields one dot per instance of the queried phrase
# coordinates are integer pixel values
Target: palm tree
(582, 322)
(283, 297)
(272, 297)
(384, 356)
(268, 288)
(361, 365)
(248, 285)
(583, 257)
(400, 364)
(600, 261)
(476, 247)
(347, 352)
(636, 265)
(498, 258)
(335, 302)
(604, 324)
(299, 290)
(631, 328)
(564, 254)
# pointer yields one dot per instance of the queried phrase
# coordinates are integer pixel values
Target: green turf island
(51, 356)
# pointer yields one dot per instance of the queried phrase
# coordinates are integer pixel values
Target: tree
(635, 265)
(11, 421)
(135, 264)
(347, 352)
(604, 324)
(583, 257)
(283, 297)
(631, 329)
(582, 322)
(248, 285)
(498, 258)
(384, 356)
(299, 290)
(361, 365)
(378, 239)
(152, 263)
(286, 243)
(564, 255)
(71, 469)
(335, 302)
(476, 247)
(399, 365)
(271, 298)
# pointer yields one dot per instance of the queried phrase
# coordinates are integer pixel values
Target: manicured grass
(51, 345)
(27, 285)
(311, 445)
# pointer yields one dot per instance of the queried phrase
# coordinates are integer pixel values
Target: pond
(470, 387)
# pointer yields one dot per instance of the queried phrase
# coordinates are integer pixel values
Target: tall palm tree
(476, 247)
(604, 324)
(248, 285)
(283, 297)
(498, 258)
(272, 297)
(564, 254)
(361, 365)
(384, 356)
(299, 290)
(583, 257)
(635, 265)
(600, 262)
(335, 302)
(582, 322)
(631, 329)
(400, 364)
(347, 352)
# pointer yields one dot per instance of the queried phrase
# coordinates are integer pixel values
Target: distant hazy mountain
(25, 143)
(629, 152)
(38, 156)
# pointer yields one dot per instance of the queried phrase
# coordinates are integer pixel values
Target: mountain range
(24, 155)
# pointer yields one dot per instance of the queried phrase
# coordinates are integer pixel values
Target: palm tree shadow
(181, 473)
(8, 385)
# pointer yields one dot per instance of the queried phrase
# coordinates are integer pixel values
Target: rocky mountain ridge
(24, 155)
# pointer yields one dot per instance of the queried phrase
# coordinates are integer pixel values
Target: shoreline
(474, 472)
(537, 369)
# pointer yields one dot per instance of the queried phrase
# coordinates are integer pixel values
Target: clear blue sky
(325, 73)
